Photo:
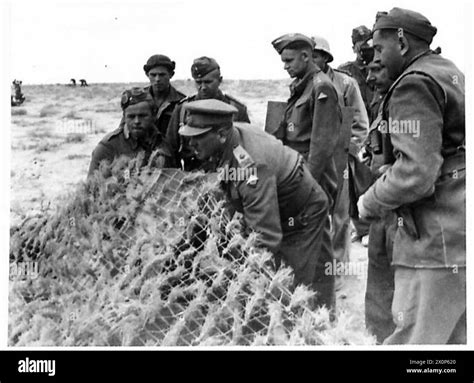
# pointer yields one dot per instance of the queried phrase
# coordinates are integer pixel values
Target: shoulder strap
(243, 158)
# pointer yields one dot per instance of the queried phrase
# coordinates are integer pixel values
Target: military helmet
(321, 44)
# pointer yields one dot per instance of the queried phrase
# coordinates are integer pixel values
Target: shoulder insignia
(252, 180)
(322, 96)
(243, 158)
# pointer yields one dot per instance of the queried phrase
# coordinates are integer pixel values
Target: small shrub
(75, 137)
(19, 112)
(48, 110)
(45, 146)
(75, 156)
(72, 115)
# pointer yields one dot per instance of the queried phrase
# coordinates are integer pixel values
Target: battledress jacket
(424, 115)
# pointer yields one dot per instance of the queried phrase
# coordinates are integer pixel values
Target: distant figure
(17, 97)
(72, 82)
(83, 82)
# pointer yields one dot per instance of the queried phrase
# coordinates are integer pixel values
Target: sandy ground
(56, 129)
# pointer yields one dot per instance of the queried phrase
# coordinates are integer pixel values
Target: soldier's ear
(306, 55)
(222, 135)
(404, 45)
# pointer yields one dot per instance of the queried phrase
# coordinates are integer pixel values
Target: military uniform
(380, 274)
(359, 72)
(178, 146)
(349, 95)
(312, 125)
(425, 188)
(121, 143)
(165, 110)
(279, 199)
(115, 144)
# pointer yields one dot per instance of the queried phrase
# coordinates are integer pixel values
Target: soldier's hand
(363, 212)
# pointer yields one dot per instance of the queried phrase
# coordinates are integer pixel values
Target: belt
(299, 146)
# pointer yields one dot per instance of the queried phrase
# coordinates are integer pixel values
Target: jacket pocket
(406, 221)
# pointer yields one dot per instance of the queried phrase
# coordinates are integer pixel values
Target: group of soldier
(338, 152)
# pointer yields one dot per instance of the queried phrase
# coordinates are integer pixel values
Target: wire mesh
(142, 256)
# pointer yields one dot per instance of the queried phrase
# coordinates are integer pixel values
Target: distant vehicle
(17, 98)
(83, 82)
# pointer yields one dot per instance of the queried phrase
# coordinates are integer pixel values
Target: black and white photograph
(235, 175)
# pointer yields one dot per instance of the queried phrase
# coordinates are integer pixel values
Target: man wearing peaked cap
(160, 70)
(205, 115)
(139, 115)
(273, 190)
(207, 78)
(424, 185)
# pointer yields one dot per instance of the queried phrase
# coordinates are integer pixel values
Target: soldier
(424, 185)
(276, 194)
(83, 82)
(207, 77)
(348, 95)
(141, 135)
(17, 97)
(358, 69)
(380, 277)
(312, 119)
(160, 70)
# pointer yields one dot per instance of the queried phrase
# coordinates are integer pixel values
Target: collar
(417, 57)
(219, 96)
(232, 143)
(172, 95)
(146, 144)
(330, 72)
(299, 85)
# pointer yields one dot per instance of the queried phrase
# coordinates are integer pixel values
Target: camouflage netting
(152, 258)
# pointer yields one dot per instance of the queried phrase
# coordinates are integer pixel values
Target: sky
(104, 41)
